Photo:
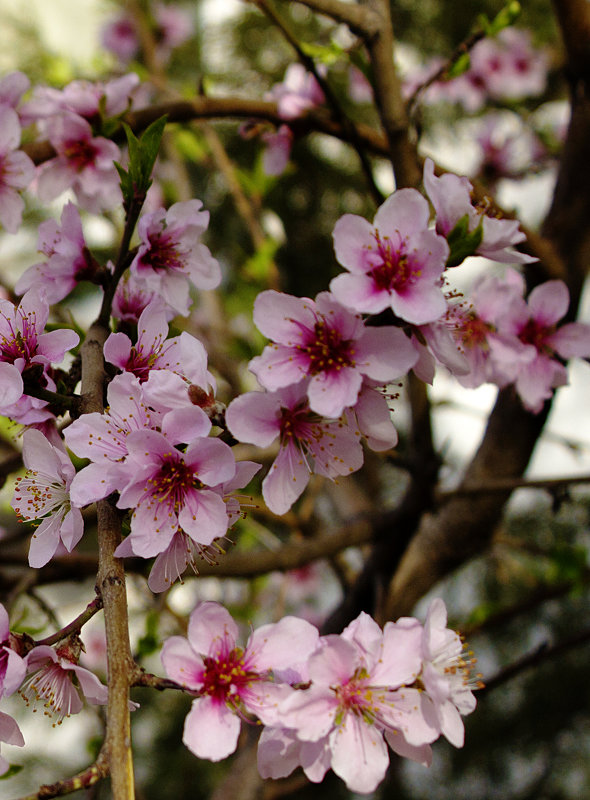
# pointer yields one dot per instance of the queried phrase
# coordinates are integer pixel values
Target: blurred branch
(492, 485)
(463, 48)
(542, 653)
(348, 126)
(360, 19)
(241, 202)
(291, 555)
(389, 99)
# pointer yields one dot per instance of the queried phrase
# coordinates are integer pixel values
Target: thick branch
(111, 589)
(361, 20)
(389, 99)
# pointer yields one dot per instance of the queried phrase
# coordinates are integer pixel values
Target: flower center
(327, 351)
(53, 685)
(299, 423)
(173, 481)
(358, 697)
(41, 495)
(396, 270)
(163, 254)
(226, 674)
(536, 334)
(80, 153)
(16, 344)
(474, 331)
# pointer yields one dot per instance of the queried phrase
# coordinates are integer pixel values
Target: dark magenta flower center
(80, 153)
(536, 334)
(326, 350)
(171, 484)
(225, 674)
(396, 270)
(163, 254)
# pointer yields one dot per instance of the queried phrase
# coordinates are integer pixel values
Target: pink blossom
(68, 258)
(23, 344)
(16, 170)
(131, 297)
(95, 101)
(277, 150)
(119, 36)
(171, 255)
(51, 681)
(446, 673)
(43, 494)
(537, 328)
(183, 551)
(507, 147)
(174, 26)
(83, 163)
(103, 437)
(10, 733)
(508, 66)
(12, 666)
(12, 88)
(169, 489)
(373, 418)
(307, 442)
(359, 88)
(329, 344)
(152, 349)
(451, 197)
(231, 681)
(355, 697)
(474, 340)
(298, 92)
(395, 263)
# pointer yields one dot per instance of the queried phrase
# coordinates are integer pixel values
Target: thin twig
(83, 780)
(76, 625)
(542, 653)
(347, 125)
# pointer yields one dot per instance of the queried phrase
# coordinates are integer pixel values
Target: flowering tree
(186, 425)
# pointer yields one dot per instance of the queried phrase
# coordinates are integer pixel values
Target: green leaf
(134, 155)
(506, 17)
(149, 145)
(142, 156)
(325, 54)
(462, 242)
(13, 769)
(459, 66)
(258, 265)
(126, 184)
(150, 641)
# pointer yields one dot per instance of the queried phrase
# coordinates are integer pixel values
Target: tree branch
(111, 588)
(361, 20)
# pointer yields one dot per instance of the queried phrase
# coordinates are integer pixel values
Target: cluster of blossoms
(326, 702)
(326, 371)
(73, 121)
(296, 94)
(43, 675)
(172, 25)
(325, 380)
(504, 68)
